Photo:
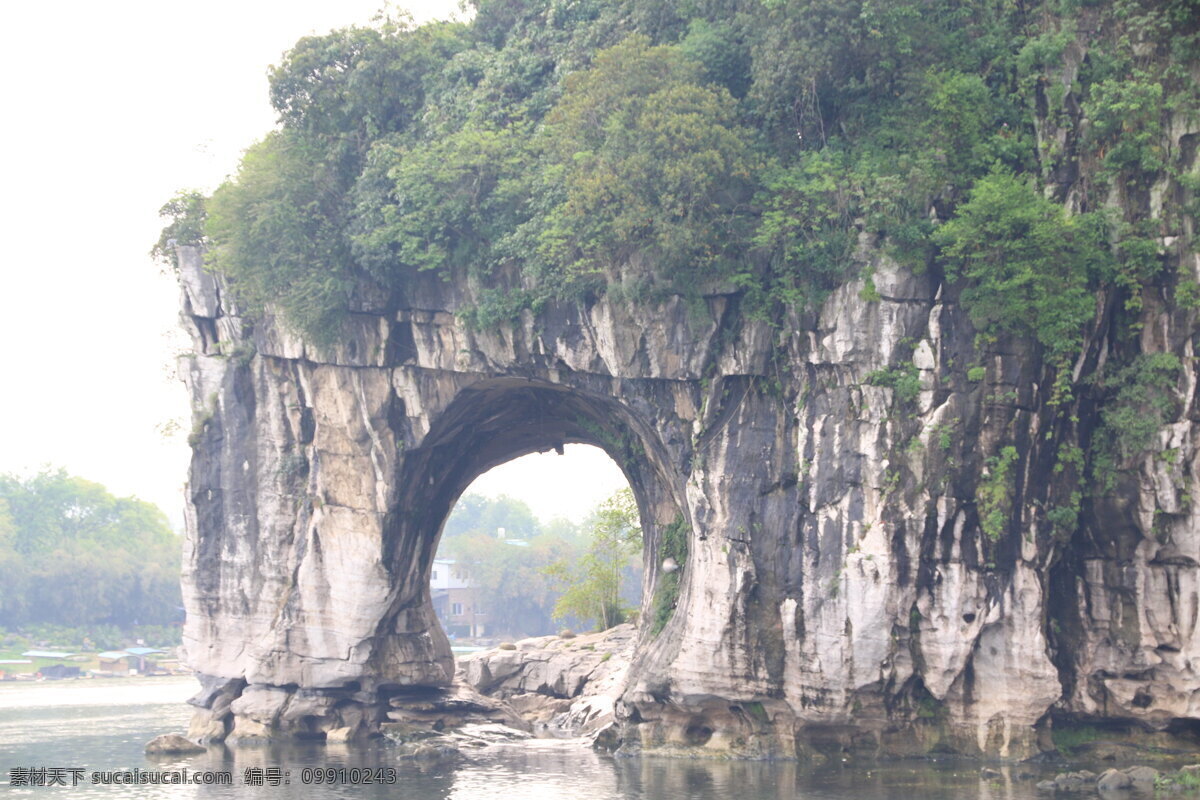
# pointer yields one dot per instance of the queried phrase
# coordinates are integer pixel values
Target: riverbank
(105, 724)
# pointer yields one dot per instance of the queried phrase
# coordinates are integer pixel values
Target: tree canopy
(592, 584)
(72, 554)
(590, 143)
(575, 573)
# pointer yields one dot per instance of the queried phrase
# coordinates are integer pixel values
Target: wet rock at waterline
(172, 744)
(1111, 780)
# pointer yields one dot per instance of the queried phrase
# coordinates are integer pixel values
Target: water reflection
(103, 725)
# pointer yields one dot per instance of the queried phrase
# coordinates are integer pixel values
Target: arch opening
(488, 424)
(539, 543)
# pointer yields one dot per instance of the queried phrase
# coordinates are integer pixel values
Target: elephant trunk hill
(942, 498)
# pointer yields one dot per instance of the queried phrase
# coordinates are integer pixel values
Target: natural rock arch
(838, 594)
(493, 421)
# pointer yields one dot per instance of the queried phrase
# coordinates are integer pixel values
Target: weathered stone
(437, 750)
(1113, 780)
(262, 704)
(249, 731)
(445, 710)
(172, 744)
(1142, 775)
(550, 665)
(491, 733)
(206, 728)
(1075, 781)
(607, 739)
(346, 734)
(838, 592)
(538, 709)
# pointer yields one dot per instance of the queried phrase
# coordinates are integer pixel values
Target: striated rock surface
(567, 686)
(838, 593)
(552, 666)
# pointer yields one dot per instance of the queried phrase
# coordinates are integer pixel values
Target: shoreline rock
(172, 744)
(560, 685)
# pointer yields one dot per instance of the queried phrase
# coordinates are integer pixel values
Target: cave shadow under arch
(489, 423)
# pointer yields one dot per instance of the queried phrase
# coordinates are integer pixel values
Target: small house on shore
(130, 661)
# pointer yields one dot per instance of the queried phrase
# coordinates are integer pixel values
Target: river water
(101, 726)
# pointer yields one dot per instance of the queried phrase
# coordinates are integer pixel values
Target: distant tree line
(72, 554)
(582, 575)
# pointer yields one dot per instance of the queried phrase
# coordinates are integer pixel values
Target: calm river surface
(102, 725)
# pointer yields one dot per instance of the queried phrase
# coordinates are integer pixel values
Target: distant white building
(455, 601)
(445, 575)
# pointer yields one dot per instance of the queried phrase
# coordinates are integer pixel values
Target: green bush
(439, 203)
(1028, 266)
(1137, 400)
(807, 226)
(904, 380)
(73, 555)
(994, 494)
(278, 232)
(649, 161)
(1126, 117)
(186, 227)
(575, 147)
(673, 544)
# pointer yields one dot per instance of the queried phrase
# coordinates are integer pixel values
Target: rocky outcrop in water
(172, 744)
(838, 591)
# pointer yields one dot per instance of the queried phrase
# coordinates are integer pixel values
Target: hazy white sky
(109, 108)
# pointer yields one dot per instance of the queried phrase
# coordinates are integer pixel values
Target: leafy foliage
(554, 149)
(278, 233)
(351, 86)
(72, 554)
(1029, 266)
(904, 380)
(807, 210)
(593, 583)
(186, 227)
(1126, 118)
(475, 514)
(994, 495)
(509, 580)
(446, 202)
(648, 161)
(556, 569)
(673, 545)
(1139, 401)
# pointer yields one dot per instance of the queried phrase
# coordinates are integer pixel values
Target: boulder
(1142, 776)
(206, 727)
(340, 735)
(172, 744)
(551, 665)
(1112, 780)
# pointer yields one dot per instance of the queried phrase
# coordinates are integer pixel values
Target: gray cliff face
(839, 590)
